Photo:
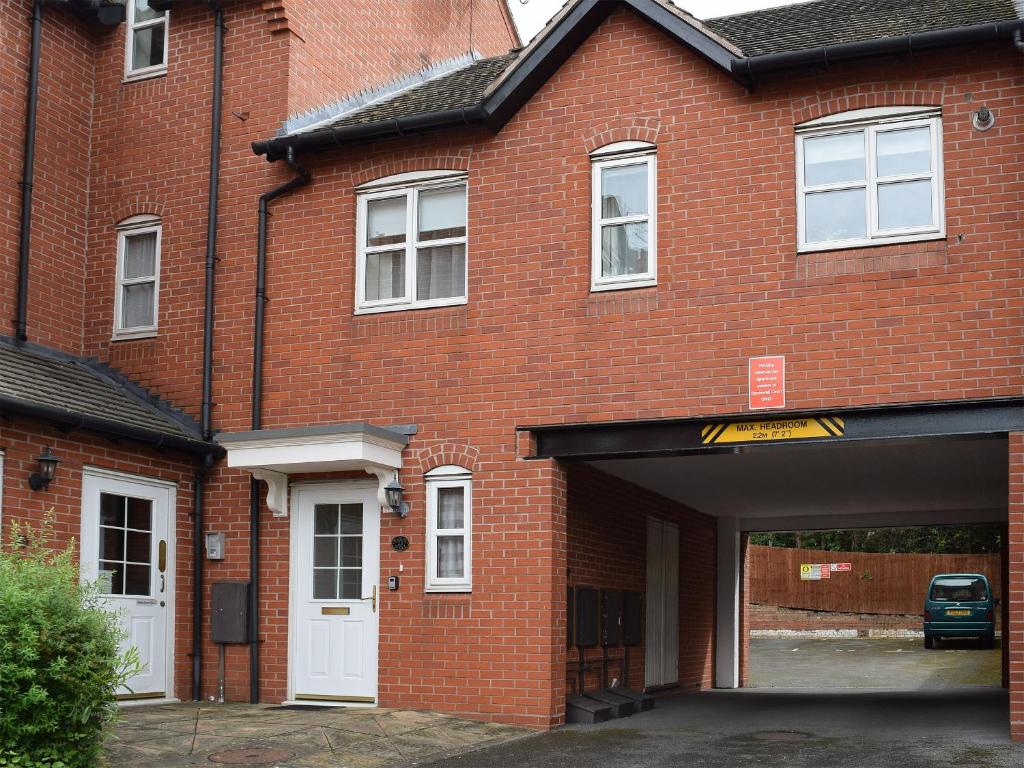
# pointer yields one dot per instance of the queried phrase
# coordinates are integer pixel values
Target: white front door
(662, 647)
(335, 570)
(126, 546)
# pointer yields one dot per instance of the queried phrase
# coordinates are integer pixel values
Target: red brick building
(525, 285)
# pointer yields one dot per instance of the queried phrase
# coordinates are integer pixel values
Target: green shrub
(60, 665)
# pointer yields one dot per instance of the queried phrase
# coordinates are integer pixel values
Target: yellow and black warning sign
(768, 430)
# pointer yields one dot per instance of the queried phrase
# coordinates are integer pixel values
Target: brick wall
(607, 549)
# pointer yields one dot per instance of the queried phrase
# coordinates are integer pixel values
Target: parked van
(959, 605)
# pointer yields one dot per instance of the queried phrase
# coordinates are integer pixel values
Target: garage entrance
(927, 465)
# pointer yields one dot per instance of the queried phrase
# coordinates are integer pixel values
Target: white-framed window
(449, 530)
(412, 242)
(870, 177)
(624, 221)
(145, 41)
(137, 295)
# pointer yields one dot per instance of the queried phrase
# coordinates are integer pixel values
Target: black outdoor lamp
(393, 493)
(40, 480)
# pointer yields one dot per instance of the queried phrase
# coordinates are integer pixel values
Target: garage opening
(915, 608)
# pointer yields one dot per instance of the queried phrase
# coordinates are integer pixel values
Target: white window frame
(409, 186)
(871, 122)
(137, 225)
(131, 27)
(449, 477)
(616, 155)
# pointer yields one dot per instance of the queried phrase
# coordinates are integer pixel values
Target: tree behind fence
(877, 583)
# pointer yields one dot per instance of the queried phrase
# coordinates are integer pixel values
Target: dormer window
(624, 221)
(870, 177)
(146, 53)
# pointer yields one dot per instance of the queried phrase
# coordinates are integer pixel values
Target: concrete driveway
(965, 728)
(871, 663)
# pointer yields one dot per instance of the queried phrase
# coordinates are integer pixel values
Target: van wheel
(929, 642)
(988, 640)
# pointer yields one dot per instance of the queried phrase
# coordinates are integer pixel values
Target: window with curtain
(412, 245)
(146, 40)
(138, 277)
(869, 177)
(623, 216)
(449, 530)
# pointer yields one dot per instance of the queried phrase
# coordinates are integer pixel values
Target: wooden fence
(876, 583)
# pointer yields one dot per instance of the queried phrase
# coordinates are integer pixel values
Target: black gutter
(109, 428)
(28, 174)
(751, 67)
(276, 149)
(199, 485)
(300, 180)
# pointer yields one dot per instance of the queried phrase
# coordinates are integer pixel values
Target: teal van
(959, 605)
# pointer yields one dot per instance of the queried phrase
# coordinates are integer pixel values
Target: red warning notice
(767, 382)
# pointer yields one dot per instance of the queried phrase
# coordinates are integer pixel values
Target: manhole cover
(251, 756)
(781, 736)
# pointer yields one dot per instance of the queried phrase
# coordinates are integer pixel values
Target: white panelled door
(336, 567)
(126, 546)
(662, 647)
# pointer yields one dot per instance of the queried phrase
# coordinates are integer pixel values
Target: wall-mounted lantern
(393, 492)
(40, 480)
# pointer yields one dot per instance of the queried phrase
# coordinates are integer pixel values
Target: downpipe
(28, 175)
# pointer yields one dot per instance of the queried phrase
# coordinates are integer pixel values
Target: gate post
(727, 615)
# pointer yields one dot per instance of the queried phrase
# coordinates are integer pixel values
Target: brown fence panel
(876, 583)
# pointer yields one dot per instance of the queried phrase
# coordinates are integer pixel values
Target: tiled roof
(460, 89)
(831, 22)
(32, 376)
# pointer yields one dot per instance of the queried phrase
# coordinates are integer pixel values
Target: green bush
(60, 665)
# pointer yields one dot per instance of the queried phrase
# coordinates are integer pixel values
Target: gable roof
(744, 46)
(35, 381)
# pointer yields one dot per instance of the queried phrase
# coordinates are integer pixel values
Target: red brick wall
(21, 440)
(608, 550)
(61, 190)
(1014, 605)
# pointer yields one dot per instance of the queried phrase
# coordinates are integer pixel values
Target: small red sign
(842, 567)
(767, 382)
(826, 572)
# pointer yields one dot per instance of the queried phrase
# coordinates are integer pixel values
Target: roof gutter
(110, 428)
(752, 66)
(276, 149)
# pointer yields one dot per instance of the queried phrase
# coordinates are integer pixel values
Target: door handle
(163, 583)
(373, 598)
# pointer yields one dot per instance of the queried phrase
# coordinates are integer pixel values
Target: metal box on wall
(229, 616)
(587, 617)
(611, 617)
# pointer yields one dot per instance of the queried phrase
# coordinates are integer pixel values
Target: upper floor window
(411, 231)
(138, 277)
(624, 208)
(869, 177)
(146, 52)
(449, 530)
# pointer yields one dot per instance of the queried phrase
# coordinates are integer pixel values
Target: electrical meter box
(230, 612)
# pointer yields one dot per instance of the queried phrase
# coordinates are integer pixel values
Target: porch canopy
(272, 455)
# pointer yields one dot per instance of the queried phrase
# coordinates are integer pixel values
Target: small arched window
(624, 230)
(137, 292)
(449, 530)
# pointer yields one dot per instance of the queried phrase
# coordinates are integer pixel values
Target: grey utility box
(230, 614)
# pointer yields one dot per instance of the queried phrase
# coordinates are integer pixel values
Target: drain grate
(251, 756)
(781, 736)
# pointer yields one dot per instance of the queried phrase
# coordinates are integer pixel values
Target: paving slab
(174, 736)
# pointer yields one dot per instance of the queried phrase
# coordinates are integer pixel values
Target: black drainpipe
(28, 174)
(300, 180)
(208, 307)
